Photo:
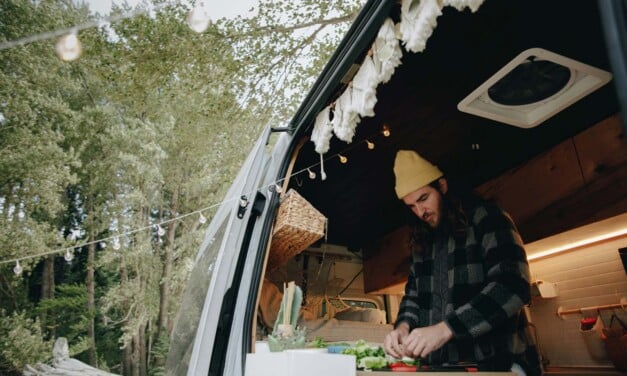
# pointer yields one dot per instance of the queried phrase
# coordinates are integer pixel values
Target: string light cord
(113, 237)
(272, 186)
(74, 29)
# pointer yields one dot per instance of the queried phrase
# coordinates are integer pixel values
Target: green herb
(317, 342)
(368, 357)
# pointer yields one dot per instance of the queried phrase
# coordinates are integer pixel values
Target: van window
(186, 325)
(339, 304)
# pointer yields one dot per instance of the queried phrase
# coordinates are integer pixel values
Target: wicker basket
(298, 225)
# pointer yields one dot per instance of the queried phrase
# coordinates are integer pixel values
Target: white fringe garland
(461, 4)
(418, 20)
(386, 51)
(322, 131)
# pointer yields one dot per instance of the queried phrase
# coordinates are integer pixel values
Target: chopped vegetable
(370, 362)
(402, 367)
(368, 357)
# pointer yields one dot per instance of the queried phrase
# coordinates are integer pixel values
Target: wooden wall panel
(386, 263)
(580, 181)
(601, 148)
(530, 188)
(588, 276)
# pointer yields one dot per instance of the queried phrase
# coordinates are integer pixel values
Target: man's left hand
(422, 341)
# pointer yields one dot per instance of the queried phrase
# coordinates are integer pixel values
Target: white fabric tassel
(322, 131)
(345, 120)
(386, 51)
(364, 89)
(323, 175)
(418, 19)
(461, 4)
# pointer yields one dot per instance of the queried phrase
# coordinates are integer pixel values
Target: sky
(217, 8)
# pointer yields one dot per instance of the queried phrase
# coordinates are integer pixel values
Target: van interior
(516, 100)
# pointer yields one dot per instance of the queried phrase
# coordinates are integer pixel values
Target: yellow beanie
(413, 172)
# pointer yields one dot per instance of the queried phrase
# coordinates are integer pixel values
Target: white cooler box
(299, 363)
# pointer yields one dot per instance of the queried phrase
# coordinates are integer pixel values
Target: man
(469, 279)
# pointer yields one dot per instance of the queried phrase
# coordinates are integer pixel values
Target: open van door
(555, 172)
(207, 329)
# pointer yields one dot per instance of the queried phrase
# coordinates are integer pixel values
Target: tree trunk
(91, 306)
(143, 371)
(127, 356)
(164, 286)
(47, 290)
(127, 360)
(135, 356)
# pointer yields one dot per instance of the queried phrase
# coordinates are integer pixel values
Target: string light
(115, 244)
(68, 47)
(386, 130)
(198, 19)
(115, 241)
(77, 28)
(312, 175)
(370, 144)
(18, 268)
(69, 256)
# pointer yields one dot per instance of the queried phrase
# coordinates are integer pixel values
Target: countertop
(423, 373)
(582, 371)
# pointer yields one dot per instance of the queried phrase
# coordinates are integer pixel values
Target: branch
(284, 29)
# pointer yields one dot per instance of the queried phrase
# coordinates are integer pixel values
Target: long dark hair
(456, 203)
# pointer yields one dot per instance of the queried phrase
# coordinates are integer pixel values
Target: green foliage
(21, 342)
(153, 121)
(65, 315)
(159, 354)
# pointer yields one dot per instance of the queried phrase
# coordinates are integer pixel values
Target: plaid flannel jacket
(488, 286)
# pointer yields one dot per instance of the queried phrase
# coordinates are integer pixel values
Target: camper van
(520, 100)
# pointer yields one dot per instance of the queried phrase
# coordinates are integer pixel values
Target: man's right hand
(393, 343)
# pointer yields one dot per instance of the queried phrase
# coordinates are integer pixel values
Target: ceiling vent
(532, 87)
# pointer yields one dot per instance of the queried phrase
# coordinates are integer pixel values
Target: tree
(151, 123)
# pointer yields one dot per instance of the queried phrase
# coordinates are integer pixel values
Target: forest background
(103, 161)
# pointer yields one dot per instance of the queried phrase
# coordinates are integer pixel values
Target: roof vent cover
(532, 87)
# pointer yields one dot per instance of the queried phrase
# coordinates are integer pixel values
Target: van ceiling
(419, 106)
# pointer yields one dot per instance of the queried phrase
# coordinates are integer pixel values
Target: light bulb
(69, 47)
(202, 219)
(370, 144)
(312, 175)
(198, 19)
(69, 256)
(386, 131)
(343, 159)
(116, 244)
(160, 230)
(243, 200)
(323, 175)
(18, 269)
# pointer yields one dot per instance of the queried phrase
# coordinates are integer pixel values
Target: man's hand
(393, 341)
(422, 341)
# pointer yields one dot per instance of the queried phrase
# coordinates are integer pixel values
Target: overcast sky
(217, 8)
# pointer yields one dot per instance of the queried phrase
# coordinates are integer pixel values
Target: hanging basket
(298, 225)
